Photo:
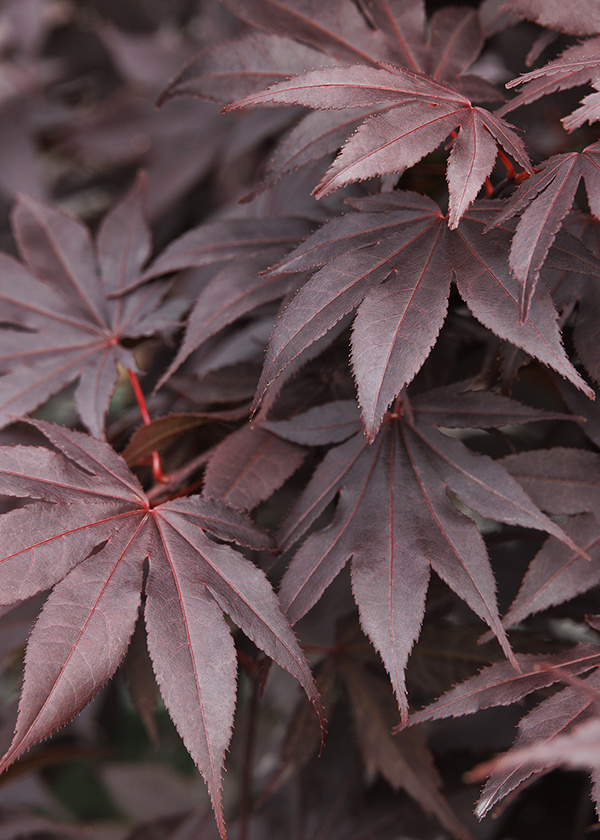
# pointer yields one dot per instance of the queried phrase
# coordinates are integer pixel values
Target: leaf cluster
(332, 327)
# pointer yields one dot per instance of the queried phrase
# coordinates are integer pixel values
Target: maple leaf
(394, 517)
(402, 759)
(249, 466)
(89, 538)
(407, 116)
(577, 65)
(400, 35)
(569, 288)
(560, 730)
(547, 197)
(394, 260)
(64, 318)
(499, 685)
(578, 18)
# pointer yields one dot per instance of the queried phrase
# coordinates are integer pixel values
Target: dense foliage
(322, 323)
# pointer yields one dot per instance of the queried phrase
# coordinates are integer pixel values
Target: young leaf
(91, 498)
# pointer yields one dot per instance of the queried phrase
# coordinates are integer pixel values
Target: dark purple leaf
(192, 579)
(499, 684)
(420, 115)
(547, 197)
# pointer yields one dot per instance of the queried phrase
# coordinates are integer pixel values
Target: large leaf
(393, 259)
(92, 501)
(395, 519)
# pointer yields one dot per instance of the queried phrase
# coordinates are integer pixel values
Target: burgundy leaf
(557, 573)
(578, 19)
(547, 197)
(336, 28)
(160, 433)
(329, 423)
(499, 684)
(249, 63)
(79, 639)
(391, 259)
(249, 465)
(97, 522)
(577, 65)
(402, 759)
(560, 480)
(394, 518)
(421, 114)
(562, 713)
(73, 329)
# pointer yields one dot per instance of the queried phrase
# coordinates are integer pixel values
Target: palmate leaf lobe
(91, 501)
(395, 519)
(393, 259)
(561, 481)
(498, 685)
(543, 202)
(577, 65)
(407, 115)
(64, 312)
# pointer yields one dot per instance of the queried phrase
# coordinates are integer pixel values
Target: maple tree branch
(157, 470)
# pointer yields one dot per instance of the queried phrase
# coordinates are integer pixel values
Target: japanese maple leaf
(402, 759)
(395, 519)
(393, 259)
(562, 730)
(578, 65)
(547, 197)
(90, 538)
(406, 116)
(500, 685)
(63, 318)
(299, 37)
(570, 288)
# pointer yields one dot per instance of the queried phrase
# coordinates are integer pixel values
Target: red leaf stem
(157, 470)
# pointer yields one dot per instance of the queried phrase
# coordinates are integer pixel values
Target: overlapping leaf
(543, 201)
(558, 723)
(560, 481)
(556, 717)
(578, 18)
(90, 538)
(63, 318)
(407, 116)
(380, 36)
(394, 260)
(577, 65)
(396, 520)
